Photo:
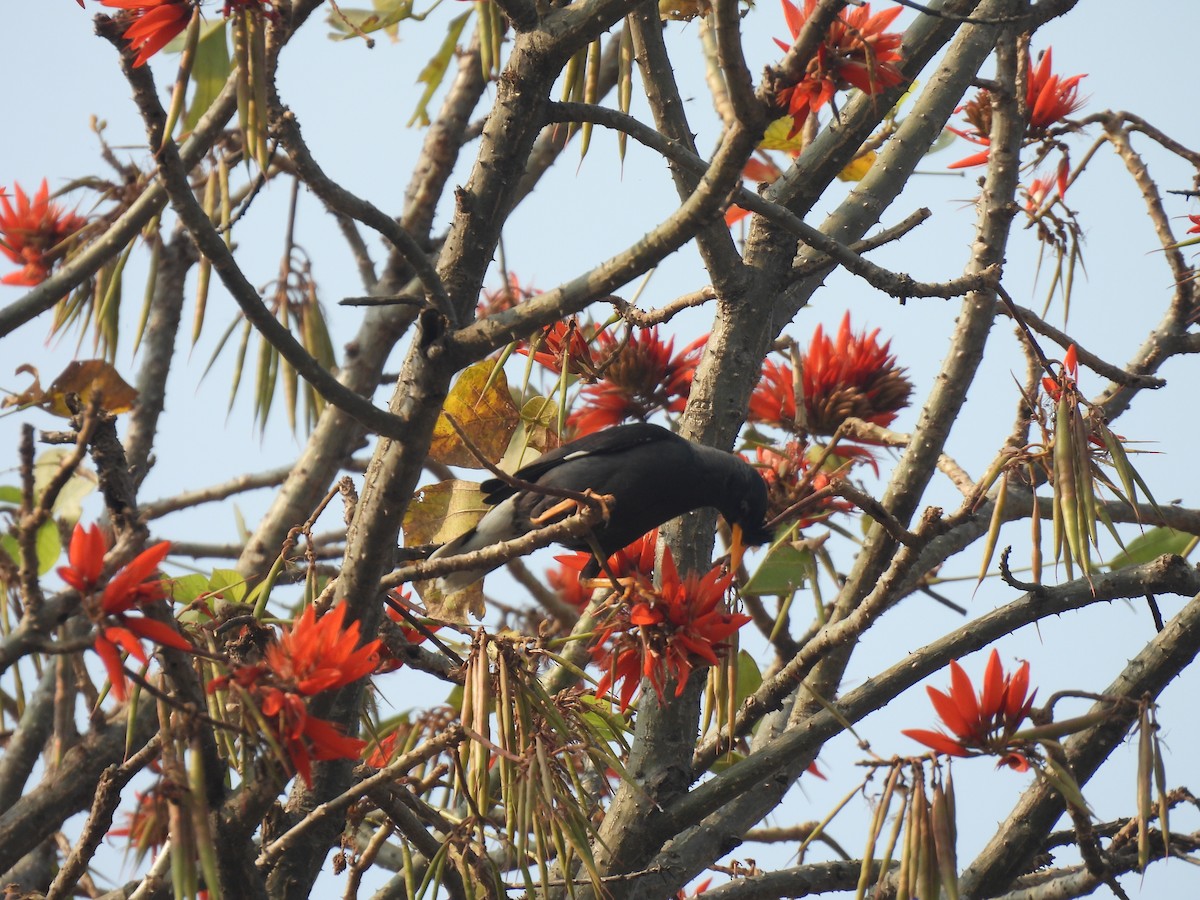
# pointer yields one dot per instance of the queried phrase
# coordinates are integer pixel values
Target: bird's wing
(610, 440)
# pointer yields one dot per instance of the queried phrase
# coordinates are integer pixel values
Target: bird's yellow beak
(737, 549)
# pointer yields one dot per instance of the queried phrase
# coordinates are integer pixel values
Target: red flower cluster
(30, 232)
(148, 827)
(1049, 98)
(1068, 375)
(562, 344)
(152, 24)
(641, 377)
(110, 610)
(1195, 229)
(504, 298)
(853, 375)
(628, 564)
(311, 657)
(785, 475)
(983, 725)
(856, 52)
(155, 23)
(666, 631)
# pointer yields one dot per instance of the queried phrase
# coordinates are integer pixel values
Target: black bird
(652, 474)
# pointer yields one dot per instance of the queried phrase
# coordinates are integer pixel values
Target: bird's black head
(746, 503)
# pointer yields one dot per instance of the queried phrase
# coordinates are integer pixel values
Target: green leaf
(749, 678)
(10, 494)
(188, 587)
(435, 70)
(230, 583)
(1151, 545)
(47, 545)
(209, 71)
(8, 546)
(784, 570)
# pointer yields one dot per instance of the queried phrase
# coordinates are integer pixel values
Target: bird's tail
(498, 525)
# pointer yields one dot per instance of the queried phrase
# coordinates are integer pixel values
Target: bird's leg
(563, 506)
(554, 513)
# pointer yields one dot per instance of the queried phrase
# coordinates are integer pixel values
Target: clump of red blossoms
(565, 344)
(110, 609)
(505, 297)
(665, 632)
(152, 24)
(852, 375)
(148, 827)
(641, 376)
(982, 724)
(311, 657)
(1049, 99)
(628, 565)
(30, 230)
(789, 489)
(857, 52)
(1068, 375)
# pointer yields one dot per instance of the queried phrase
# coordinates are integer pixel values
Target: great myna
(652, 474)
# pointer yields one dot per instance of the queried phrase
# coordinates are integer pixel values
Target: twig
(431, 748)
(569, 529)
(108, 797)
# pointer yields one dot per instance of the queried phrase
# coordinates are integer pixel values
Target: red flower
(641, 377)
(31, 232)
(1049, 98)
(852, 376)
(1068, 375)
(127, 589)
(319, 655)
(757, 171)
(629, 564)
(983, 724)
(147, 827)
(388, 662)
(1195, 229)
(1036, 194)
(667, 632)
(385, 751)
(563, 343)
(504, 298)
(856, 52)
(152, 23)
(311, 657)
(701, 887)
(565, 581)
(303, 737)
(785, 475)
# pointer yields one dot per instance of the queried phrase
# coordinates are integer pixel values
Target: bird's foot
(558, 510)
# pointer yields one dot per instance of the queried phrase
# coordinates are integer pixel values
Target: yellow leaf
(85, 378)
(452, 607)
(442, 511)
(483, 406)
(682, 10)
(776, 137)
(857, 167)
